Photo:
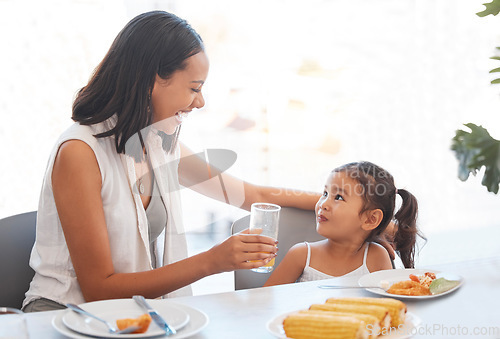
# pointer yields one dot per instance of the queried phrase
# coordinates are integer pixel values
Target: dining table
(472, 311)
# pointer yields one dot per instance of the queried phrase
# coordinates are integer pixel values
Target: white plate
(406, 330)
(197, 320)
(393, 276)
(111, 310)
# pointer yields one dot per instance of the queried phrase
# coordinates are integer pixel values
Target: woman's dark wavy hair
(379, 192)
(153, 43)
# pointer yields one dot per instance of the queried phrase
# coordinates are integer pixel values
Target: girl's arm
(291, 267)
(76, 183)
(207, 179)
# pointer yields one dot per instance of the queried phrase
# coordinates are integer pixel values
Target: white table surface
(244, 314)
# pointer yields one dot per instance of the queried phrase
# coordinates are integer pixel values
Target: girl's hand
(242, 251)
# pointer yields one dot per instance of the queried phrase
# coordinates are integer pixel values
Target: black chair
(295, 226)
(17, 236)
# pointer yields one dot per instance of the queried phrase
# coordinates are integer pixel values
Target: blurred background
(295, 89)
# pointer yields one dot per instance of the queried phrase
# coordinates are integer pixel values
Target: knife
(158, 319)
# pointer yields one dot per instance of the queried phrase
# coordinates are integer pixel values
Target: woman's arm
(291, 267)
(207, 179)
(76, 183)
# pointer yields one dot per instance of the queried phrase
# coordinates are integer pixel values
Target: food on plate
(384, 284)
(408, 287)
(442, 285)
(345, 318)
(317, 326)
(424, 280)
(396, 308)
(416, 286)
(381, 313)
(142, 322)
(370, 321)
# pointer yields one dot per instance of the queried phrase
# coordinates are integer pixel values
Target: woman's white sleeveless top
(125, 216)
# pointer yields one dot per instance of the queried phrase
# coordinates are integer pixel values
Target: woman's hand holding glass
(243, 251)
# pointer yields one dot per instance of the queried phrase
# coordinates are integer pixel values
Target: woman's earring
(148, 109)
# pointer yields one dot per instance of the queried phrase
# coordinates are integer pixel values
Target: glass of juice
(264, 220)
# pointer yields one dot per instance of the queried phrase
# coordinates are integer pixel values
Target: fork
(383, 285)
(111, 328)
(339, 287)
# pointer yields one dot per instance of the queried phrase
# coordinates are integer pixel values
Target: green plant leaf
(477, 149)
(491, 8)
(496, 81)
(495, 57)
(495, 70)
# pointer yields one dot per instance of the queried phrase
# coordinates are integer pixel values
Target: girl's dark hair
(379, 192)
(152, 43)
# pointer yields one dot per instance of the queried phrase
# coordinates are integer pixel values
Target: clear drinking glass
(264, 220)
(12, 324)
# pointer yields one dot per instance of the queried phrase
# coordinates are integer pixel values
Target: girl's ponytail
(406, 236)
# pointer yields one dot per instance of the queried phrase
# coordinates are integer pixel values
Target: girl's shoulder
(303, 246)
(301, 251)
(376, 247)
(377, 258)
(319, 243)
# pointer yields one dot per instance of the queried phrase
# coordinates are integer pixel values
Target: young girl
(355, 209)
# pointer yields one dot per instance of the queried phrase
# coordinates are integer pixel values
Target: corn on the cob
(312, 326)
(371, 321)
(381, 313)
(396, 308)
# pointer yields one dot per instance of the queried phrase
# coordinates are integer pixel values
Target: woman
(112, 182)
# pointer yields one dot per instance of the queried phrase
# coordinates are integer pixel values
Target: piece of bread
(142, 322)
